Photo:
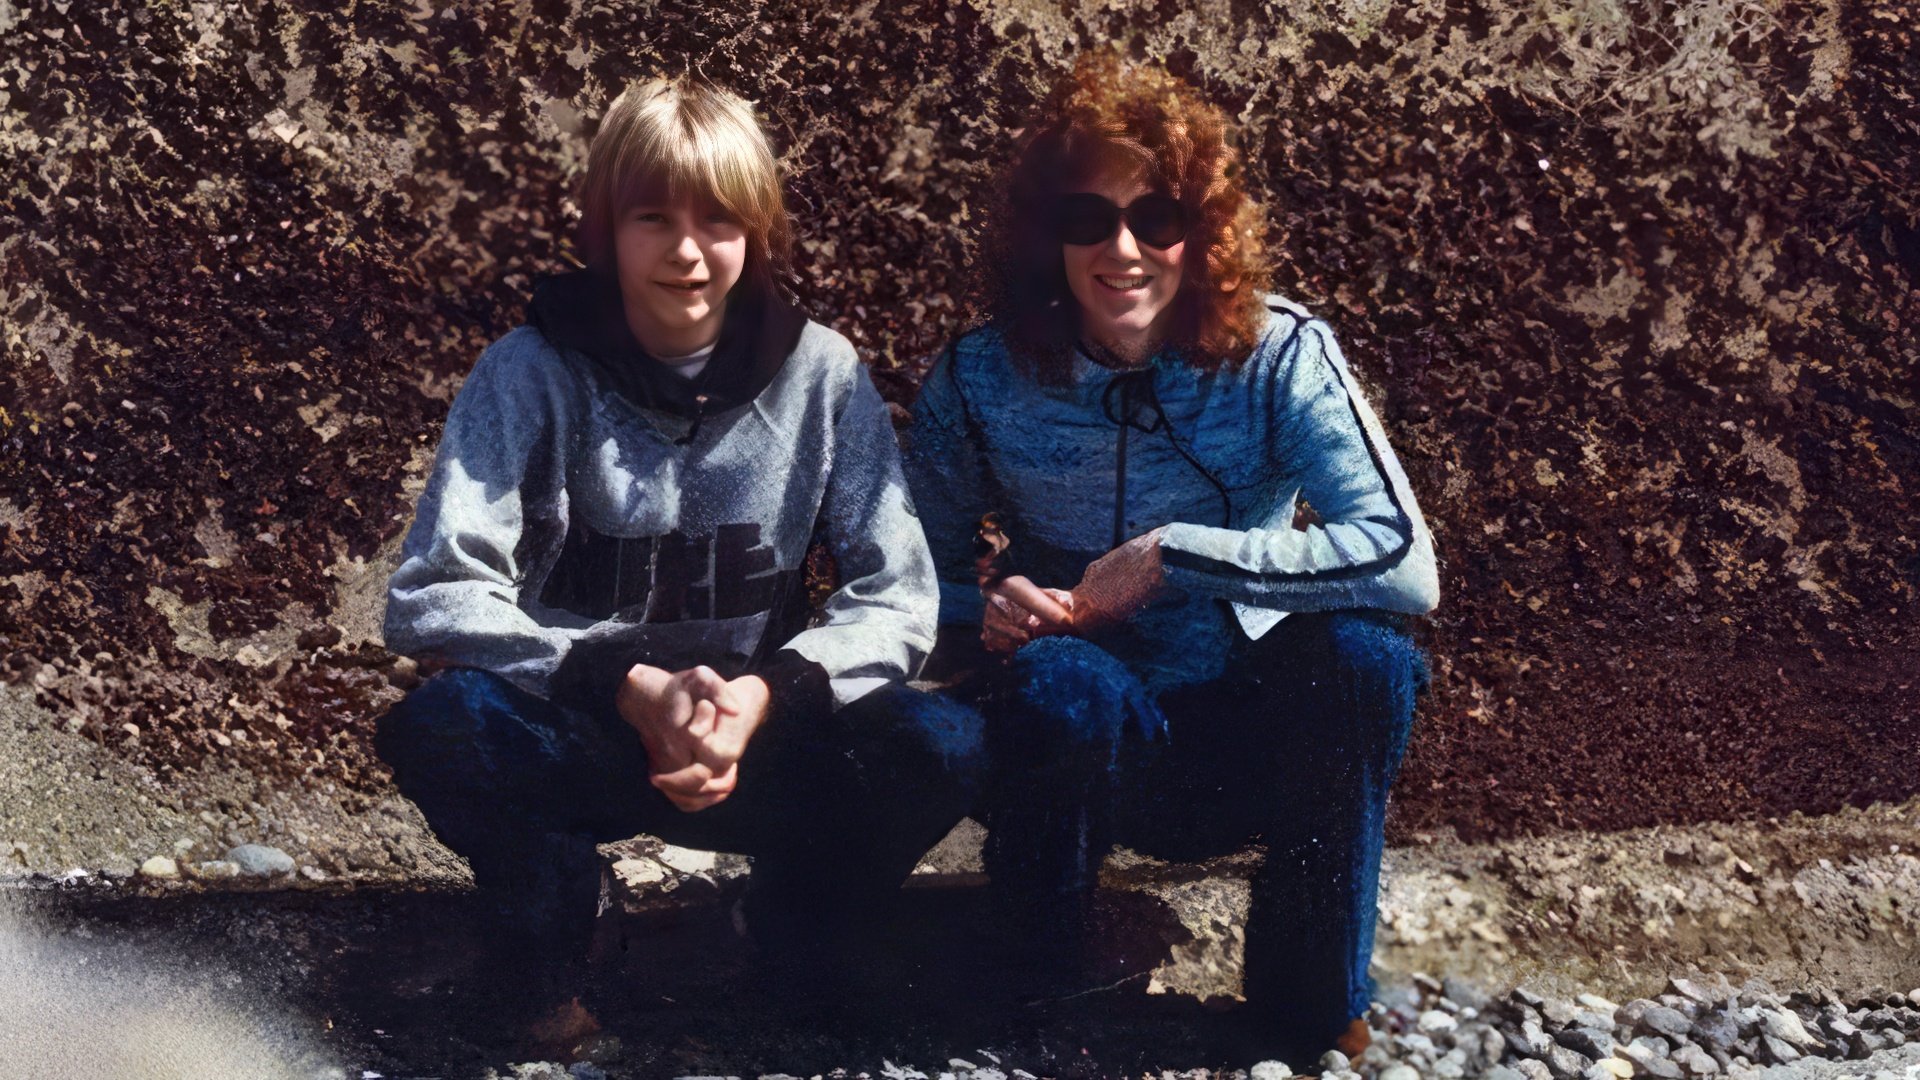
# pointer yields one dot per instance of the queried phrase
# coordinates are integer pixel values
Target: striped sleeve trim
(1401, 523)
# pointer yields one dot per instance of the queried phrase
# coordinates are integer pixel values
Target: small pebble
(1472, 997)
(1691, 990)
(1533, 1068)
(600, 1048)
(1276, 1070)
(160, 868)
(1715, 1029)
(1594, 1042)
(1628, 1016)
(1566, 1064)
(1530, 1040)
(1838, 1026)
(259, 860)
(1493, 1044)
(214, 870)
(1857, 1046)
(1695, 1061)
(1788, 1028)
(1778, 1051)
(1649, 1058)
(1590, 1018)
(1680, 1002)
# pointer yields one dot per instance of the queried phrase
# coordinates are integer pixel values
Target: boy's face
(678, 260)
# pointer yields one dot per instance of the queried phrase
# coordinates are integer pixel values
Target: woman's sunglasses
(1158, 221)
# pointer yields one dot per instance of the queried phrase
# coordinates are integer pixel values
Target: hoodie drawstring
(1126, 387)
(699, 414)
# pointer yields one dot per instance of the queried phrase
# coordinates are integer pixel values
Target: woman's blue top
(1223, 458)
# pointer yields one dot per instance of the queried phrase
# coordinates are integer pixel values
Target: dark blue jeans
(834, 809)
(1297, 743)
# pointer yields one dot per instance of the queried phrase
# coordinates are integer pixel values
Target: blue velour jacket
(1223, 459)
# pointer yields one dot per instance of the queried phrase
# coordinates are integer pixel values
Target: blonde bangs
(664, 140)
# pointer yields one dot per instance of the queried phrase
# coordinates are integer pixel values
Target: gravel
(1695, 1062)
(1593, 1042)
(1698, 1029)
(1668, 1023)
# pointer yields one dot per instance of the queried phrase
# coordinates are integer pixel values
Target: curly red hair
(1107, 110)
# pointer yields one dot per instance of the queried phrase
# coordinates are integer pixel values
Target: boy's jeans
(1298, 742)
(835, 810)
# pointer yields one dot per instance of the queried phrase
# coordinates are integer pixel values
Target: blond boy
(609, 557)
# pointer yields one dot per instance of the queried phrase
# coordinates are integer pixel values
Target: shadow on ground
(394, 983)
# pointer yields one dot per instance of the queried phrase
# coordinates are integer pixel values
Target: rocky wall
(1634, 285)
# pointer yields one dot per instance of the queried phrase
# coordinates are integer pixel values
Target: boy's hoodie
(590, 509)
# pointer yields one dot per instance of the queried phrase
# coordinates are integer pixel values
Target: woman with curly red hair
(1197, 557)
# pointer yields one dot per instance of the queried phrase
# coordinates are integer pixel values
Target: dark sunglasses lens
(1086, 219)
(1157, 220)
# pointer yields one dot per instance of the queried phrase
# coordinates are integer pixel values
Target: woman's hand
(1017, 611)
(1120, 583)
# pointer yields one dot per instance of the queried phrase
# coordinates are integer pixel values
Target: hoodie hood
(582, 310)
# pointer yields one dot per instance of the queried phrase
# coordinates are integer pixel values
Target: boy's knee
(935, 726)
(1078, 692)
(441, 718)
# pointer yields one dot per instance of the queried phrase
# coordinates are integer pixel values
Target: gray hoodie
(584, 516)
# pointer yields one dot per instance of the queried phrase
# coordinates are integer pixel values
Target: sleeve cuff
(1190, 539)
(961, 604)
(591, 673)
(796, 687)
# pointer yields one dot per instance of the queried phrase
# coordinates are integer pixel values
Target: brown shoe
(560, 1029)
(1355, 1040)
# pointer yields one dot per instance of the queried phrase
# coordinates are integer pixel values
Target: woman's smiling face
(1125, 288)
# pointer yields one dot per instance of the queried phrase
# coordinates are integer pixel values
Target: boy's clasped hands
(695, 725)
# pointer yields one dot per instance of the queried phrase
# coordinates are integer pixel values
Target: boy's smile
(677, 263)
